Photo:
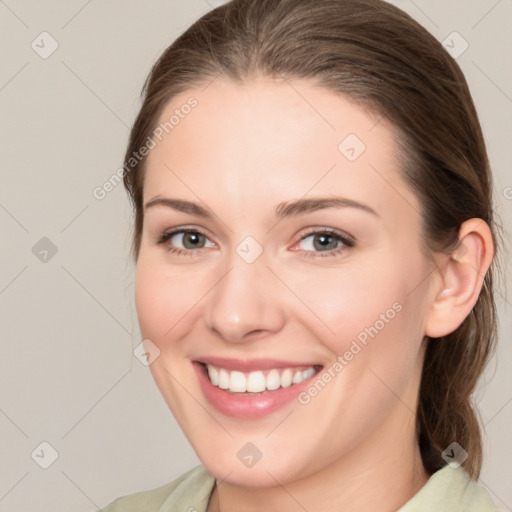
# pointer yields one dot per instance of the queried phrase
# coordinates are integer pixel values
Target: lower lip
(248, 406)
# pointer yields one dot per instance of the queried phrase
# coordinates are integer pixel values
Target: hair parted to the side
(377, 55)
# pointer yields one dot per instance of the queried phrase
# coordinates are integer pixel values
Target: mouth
(252, 389)
(258, 381)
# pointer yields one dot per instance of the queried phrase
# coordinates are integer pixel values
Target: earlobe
(462, 275)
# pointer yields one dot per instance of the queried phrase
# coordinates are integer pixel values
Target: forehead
(273, 138)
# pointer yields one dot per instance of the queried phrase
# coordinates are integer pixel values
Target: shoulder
(450, 490)
(189, 491)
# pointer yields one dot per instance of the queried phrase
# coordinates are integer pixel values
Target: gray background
(68, 376)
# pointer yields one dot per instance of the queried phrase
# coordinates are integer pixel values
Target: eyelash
(348, 242)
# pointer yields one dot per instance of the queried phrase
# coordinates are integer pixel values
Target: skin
(242, 151)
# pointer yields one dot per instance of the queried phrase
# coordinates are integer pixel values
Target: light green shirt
(447, 490)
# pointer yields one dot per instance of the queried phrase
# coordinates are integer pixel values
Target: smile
(257, 381)
(252, 389)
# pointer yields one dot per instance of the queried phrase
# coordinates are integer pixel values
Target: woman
(315, 242)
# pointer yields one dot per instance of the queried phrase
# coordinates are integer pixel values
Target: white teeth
(223, 379)
(213, 373)
(273, 380)
(286, 378)
(297, 377)
(237, 382)
(307, 373)
(256, 382)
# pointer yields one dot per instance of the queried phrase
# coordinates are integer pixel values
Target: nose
(245, 302)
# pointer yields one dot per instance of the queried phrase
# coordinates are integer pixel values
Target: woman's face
(301, 254)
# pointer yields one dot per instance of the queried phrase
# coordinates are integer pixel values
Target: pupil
(323, 241)
(190, 238)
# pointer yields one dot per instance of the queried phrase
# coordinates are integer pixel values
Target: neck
(377, 476)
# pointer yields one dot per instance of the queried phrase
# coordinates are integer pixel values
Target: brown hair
(378, 56)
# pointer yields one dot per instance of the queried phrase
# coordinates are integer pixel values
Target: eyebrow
(285, 209)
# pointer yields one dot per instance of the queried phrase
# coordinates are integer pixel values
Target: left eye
(325, 242)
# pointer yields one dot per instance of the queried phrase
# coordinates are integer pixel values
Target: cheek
(366, 314)
(344, 304)
(375, 351)
(165, 299)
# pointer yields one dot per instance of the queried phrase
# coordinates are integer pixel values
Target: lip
(249, 405)
(252, 365)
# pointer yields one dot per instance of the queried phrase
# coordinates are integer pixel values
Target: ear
(462, 276)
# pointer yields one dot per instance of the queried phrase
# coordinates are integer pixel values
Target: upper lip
(250, 365)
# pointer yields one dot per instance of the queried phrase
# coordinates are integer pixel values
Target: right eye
(190, 239)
